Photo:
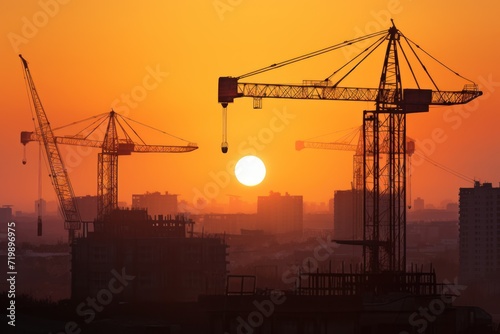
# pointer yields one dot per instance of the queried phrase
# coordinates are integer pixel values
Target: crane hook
(224, 145)
(24, 154)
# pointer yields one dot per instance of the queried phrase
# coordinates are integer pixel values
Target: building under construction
(167, 261)
(284, 312)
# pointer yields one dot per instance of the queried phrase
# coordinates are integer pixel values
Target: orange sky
(88, 56)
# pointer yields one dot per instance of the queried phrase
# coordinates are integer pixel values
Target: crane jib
(414, 100)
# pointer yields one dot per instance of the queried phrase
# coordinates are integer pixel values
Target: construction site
(178, 280)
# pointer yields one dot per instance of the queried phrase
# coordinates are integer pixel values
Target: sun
(250, 170)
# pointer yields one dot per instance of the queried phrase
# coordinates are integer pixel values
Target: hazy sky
(158, 62)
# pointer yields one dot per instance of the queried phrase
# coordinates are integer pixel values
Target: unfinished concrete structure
(166, 261)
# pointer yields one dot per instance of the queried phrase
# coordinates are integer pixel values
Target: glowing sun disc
(250, 170)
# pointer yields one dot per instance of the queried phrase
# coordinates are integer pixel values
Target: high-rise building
(156, 203)
(347, 220)
(479, 223)
(5, 214)
(87, 206)
(278, 214)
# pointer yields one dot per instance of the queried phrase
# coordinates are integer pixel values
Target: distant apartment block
(347, 215)
(156, 203)
(418, 204)
(87, 206)
(277, 214)
(479, 222)
(5, 214)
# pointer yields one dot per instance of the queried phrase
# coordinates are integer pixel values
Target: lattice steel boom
(384, 132)
(58, 173)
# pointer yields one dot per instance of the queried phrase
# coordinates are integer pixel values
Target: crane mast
(107, 172)
(384, 197)
(358, 169)
(58, 174)
(107, 161)
(384, 133)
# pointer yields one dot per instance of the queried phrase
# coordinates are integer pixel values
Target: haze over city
(231, 166)
(158, 64)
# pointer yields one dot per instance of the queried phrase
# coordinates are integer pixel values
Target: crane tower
(384, 180)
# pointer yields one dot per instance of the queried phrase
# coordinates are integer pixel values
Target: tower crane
(357, 183)
(384, 180)
(341, 146)
(358, 156)
(111, 147)
(58, 173)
